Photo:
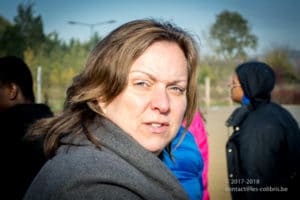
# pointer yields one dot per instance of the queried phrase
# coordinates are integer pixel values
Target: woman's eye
(178, 90)
(141, 83)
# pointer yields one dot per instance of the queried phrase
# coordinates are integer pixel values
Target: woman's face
(152, 105)
(236, 89)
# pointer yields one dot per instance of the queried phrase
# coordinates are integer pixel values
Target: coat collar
(115, 140)
(238, 115)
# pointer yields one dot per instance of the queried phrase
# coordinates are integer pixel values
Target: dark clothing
(122, 169)
(257, 80)
(263, 154)
(22, 159)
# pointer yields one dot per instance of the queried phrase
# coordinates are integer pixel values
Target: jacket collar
(238, 115)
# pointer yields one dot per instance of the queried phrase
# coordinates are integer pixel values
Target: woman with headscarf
(263, 154)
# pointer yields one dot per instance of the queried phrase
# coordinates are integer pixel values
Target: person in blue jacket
(186, 163)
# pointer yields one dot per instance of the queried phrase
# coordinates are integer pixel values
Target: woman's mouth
(157, 127)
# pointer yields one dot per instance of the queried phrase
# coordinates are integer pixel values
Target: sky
(276, 23)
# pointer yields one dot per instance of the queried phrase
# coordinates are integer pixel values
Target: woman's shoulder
(81, 159)
(73, 169)
(85, 162)
(274, 112)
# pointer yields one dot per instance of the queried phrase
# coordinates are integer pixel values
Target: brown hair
(105, 76)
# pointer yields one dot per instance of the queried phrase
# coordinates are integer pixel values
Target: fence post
(39, 84)
(207, 92)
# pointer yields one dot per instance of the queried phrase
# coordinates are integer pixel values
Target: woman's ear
(101, 104)
(13, 91)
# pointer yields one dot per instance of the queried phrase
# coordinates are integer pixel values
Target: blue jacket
(187, 164)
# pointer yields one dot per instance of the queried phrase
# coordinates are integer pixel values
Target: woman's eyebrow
(143, 72)
(152, 77)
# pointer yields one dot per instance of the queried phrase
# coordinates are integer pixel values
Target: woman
(138, 85)
(263, 154)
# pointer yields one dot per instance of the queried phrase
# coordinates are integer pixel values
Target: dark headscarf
(257, 80)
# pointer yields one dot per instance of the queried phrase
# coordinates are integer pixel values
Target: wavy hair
(105, 76)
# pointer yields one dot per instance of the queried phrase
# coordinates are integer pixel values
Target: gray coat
(122, 169)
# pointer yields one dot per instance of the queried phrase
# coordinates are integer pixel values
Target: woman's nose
(160, 100)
